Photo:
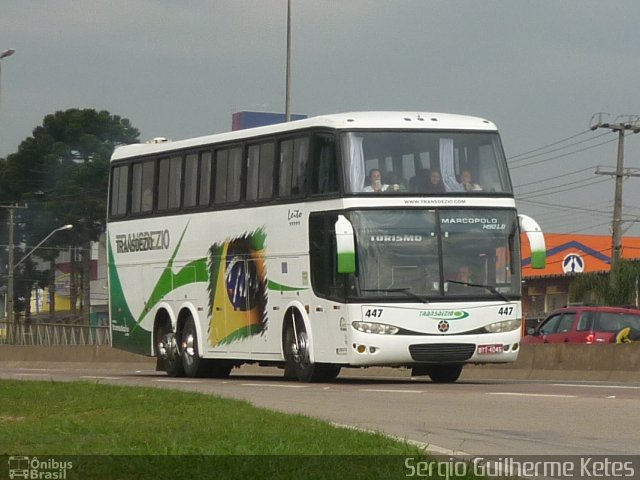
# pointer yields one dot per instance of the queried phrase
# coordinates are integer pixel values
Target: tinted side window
(260, 163)
(586, 321)
(294, 156)
(190, 180)
(169, 183)
(204, 194)
(324, 178)
(228, 175)
(550, 325)
(119, 190)
(142, 187)
(566, 322)
(608, 322)
(326, 280)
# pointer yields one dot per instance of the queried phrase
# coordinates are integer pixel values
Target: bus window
(191, 180)
(326, 280)
(253, 170)
(407, 160)
(142, 187)
(324, 165)
(228, 175)
(119, 190)
(294, 155)
(169, 183)
(260, 163)
(204, 193)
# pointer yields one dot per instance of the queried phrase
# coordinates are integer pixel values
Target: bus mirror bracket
(345, 245)
(536, 241)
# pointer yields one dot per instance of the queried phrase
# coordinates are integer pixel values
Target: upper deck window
(424, 162)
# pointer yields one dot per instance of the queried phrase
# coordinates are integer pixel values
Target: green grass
(135, 432)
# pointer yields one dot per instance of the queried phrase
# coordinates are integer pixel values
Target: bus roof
(339, 121)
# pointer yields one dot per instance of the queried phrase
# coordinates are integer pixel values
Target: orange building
(568, 255)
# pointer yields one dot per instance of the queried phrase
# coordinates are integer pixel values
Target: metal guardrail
(48, 334)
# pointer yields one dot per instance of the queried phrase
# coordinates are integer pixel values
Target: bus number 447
(505, 311)
(373, 312)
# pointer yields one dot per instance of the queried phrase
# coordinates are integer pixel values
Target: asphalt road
(474, 417)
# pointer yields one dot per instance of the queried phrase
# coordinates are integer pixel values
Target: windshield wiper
(480, 285)
(407, 291)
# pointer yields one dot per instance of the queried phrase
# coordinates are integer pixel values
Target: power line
(555, 177)
(557, 149)
(563, 155)
(549, 145)
(560, 189)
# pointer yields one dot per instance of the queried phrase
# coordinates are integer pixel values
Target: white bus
(269, 246)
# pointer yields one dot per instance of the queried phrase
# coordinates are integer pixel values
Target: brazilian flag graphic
(237, 288)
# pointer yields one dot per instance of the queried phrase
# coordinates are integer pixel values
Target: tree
(62, 172)
(618, 287)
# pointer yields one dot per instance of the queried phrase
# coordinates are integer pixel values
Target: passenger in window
(467, 182)
(375, 178)
(435, 184)
(395, 182)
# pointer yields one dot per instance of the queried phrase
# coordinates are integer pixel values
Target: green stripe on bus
(271, 285)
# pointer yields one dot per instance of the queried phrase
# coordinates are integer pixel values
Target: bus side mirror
(536, 240)
(345, 245)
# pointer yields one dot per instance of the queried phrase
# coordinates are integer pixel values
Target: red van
(584, 325)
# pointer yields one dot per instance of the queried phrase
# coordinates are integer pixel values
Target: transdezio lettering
(143, 241)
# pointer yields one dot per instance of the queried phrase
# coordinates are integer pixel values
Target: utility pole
(621, 124)
(10, 260)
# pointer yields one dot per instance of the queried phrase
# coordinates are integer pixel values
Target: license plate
(489, 349)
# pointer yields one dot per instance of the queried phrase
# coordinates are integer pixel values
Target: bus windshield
(424, 162)
(436, 253)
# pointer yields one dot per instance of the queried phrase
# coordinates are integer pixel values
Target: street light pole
(5, 54)
(12, 266)
(287, 94)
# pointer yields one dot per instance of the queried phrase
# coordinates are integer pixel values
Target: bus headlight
(377, 328)
(505, 326)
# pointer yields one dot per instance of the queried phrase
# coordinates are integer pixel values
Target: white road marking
(177, 381)
(632, 387)
(388, 390)
(515, 394)
(32, 374)
(98, 377)
(271, 385)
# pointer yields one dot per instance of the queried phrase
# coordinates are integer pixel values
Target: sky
(539, 70)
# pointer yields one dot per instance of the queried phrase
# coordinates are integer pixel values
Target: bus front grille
(442, 352)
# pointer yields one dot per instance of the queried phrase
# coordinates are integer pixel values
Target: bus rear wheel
(445, 373)
(168, 353)
(192, 363)
(297, 359)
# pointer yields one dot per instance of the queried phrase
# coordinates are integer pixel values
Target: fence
(48, 334)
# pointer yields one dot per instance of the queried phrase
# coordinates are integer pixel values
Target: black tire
(297, 361)
(192, 363)
(445, 373)
(173, 363)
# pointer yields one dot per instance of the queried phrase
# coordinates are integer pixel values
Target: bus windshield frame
(423, 254)
(410, 161)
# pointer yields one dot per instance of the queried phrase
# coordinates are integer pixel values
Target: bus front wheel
(297, 359)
